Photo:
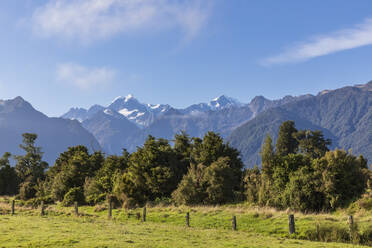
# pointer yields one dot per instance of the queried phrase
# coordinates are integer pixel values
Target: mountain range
(127, 122)
(55, 135)
(344, 115)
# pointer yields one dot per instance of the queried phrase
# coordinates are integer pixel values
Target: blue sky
(63, 53)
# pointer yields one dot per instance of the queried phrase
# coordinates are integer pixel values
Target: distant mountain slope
(111, 129)
(345, 116)
(55, 135)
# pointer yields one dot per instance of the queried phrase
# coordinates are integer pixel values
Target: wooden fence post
(76, 208)
(188, 219)
(144, 215)
(351, 228)
(42, 213)
(351, 220)
(109, 208)
(13, 207)
(291, 222)
(234, 223)
(138, 216)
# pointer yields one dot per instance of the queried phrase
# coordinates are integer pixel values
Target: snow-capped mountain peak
(217, 103)
(223, 102)
(140, 113)
(128, 97)
(123, 98)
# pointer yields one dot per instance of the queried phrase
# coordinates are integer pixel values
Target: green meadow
(165, 227)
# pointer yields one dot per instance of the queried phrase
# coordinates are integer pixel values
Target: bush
(73, 195)
(332, 233)
(163, 202)
(27, 190)
(92, 192)
(191, 190)
(128, 202)
(327, 233)
(366, 237)
(36, 202)
(366, 201)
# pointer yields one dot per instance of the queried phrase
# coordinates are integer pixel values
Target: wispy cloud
(360, 35)
(90, 20)
(84, 77)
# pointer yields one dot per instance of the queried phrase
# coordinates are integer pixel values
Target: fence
(234, 224)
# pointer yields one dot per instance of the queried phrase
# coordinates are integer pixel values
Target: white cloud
(83, 77)
(360, 35)
(89, 20)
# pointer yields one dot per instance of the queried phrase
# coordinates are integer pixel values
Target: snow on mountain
(217, 103)
(223, 102)
(140, 113)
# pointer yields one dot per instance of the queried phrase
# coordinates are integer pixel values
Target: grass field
(165, 227)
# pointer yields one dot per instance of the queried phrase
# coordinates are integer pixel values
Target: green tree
(287, 143)
(284, 168)
(213, 184)
(312, 143)
(70, 172)
(8, 176)
(221, 182)
(29, 167)
(213, 148)
(153, 172)
(216, 178)
(267, 157)
(304, 175)
(343, 177)
(183, 147)
(303, 191)
(192, 188)
(252, 183)
(96, 189)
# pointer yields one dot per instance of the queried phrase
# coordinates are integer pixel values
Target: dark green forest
(298, 172)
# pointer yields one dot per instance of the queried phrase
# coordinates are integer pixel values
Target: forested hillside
(344, 115)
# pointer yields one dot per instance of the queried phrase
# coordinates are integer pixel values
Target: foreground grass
(165, 227)
(64, 231)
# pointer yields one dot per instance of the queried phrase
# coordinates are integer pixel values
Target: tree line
(300, 172)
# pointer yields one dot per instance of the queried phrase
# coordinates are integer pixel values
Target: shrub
(74, 194)
(366, 201)
(36, 202)
(333, 233)
(366, 237)
(92, 192)
(191, 190)
(27, 190)
(328, 233)
(163, 202)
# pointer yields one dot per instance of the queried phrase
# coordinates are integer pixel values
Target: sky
(75, 53)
